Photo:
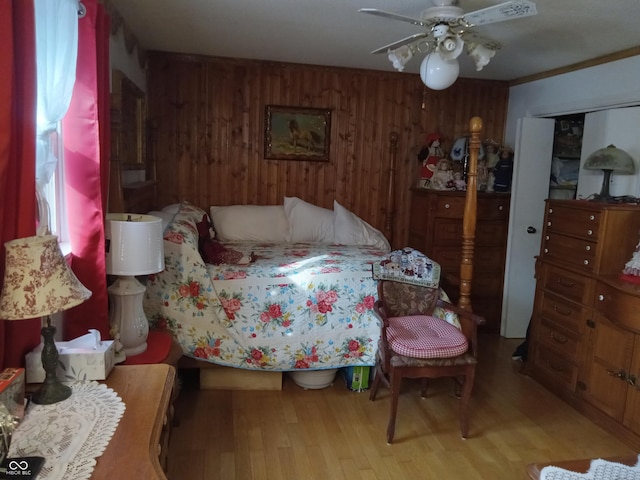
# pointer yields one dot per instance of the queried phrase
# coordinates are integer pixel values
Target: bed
(298, 292)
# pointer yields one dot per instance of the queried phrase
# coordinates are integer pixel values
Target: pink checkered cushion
(422, 336)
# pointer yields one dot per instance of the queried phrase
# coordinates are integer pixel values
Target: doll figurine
(430, 156)
(503, 170)
(442, 178)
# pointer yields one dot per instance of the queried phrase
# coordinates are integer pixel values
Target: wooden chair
(416, 342)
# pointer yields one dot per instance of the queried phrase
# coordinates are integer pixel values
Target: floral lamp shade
(37, 280)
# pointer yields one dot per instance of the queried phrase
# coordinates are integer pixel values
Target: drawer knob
(446, 205)
(589, 232)
(558, 338)
(546, 237)
(562, 311)
(548, 224)
(564, 282)
(555, 367)
(592, 217)
(500, 208)
(586, 262)
(551, 210)
(587, 248)
(546, 250)
(601, 297)
(621, 374)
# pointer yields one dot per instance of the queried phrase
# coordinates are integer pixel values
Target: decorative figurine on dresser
(585, 327)
(429, 157)
(503, 170)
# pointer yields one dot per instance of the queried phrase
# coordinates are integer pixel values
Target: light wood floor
(334, 433)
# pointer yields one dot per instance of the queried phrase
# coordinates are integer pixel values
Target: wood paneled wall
(206, 132)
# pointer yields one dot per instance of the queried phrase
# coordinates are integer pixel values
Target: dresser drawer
(559, 340)
(621, 308)
(556, 367)
(573, 221)
(568, 284)
(567, 315)
(450, 206)
(573, 251)
(493, 208)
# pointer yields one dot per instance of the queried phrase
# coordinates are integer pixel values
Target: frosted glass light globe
(437, 73)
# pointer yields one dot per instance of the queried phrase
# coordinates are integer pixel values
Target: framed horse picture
(293, 133)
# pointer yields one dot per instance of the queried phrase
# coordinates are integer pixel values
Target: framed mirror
(128, 118)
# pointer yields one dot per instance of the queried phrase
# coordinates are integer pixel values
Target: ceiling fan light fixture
(451, 47)
(480, 54)
(438, 73)
(400, 56)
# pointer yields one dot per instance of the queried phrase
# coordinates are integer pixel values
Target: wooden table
(139, 445)
(579, 466)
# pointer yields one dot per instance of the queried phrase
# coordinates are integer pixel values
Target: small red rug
(158, 347)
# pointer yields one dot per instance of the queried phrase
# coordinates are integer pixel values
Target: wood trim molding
(611, 57)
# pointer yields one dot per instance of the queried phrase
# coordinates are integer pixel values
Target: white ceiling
(333, 32)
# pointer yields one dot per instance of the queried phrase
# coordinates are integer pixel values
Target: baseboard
(228, 378)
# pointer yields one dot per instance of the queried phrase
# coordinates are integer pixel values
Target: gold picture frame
(295, 133)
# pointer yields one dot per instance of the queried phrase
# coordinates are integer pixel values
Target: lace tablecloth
(599, 470)
(71, 434)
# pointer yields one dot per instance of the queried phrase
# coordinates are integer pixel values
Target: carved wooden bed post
(470, 213)
(391, 191)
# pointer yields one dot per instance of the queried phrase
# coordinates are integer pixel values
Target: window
(56, 56)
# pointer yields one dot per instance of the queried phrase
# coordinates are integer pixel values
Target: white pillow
(307, 222)
(167, 214)
(352, 230)
(260, 223)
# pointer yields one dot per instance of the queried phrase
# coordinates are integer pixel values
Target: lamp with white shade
(38, 283)
(134, 248)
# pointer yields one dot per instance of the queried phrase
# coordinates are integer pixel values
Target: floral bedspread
(298, 306)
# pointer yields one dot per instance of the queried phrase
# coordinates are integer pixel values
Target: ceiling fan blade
(400, 43)
(395, 16)
(469, 36)
(503, 11)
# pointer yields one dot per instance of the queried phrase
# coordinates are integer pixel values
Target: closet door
(529, 190)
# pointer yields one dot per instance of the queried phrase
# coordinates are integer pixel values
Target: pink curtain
(17, 156)
(86, 132)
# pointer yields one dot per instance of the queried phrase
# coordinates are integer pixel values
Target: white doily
(599, 470)
(69, 434)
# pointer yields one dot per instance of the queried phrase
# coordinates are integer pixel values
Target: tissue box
(12, 391)
(82, 358)
(357, 378)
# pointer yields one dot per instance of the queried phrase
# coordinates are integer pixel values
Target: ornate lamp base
(127, 317)
(51, 391)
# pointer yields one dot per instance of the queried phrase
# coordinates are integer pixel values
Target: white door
(530, 188)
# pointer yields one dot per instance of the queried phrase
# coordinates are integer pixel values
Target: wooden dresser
(140, 444)
(585, 330)
(435, 228)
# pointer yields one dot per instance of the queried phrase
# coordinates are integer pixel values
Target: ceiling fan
(448, 31)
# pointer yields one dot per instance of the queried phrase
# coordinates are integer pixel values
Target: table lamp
(134, 247)
(609, 159)
(38, 283)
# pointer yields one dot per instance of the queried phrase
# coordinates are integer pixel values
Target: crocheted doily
(599, 470)
(69, 434)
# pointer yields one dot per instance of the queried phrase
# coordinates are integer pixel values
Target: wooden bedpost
(391, 191)
(469, 219)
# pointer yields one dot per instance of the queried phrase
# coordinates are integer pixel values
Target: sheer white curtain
(56, 55)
